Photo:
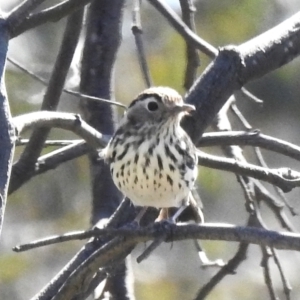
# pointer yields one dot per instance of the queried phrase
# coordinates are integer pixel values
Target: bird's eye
(152, 106)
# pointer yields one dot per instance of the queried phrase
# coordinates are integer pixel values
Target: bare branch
(138, 36)
(235, 66)
(55, 158)
(271, 49)
(62, 120)
(68, 91)
(25, 165)
(115, 250)
(246, 94)
(193, 61)
(51, 14)
(285, 178)
(286, 285)
(7, 135)
(49, 143)
(122, 215)
(250, 138)
(119, 247)
(183, 29)
(20, 12)
(228, 269)
(267, 273)
(240, 116)
(262, 194)
(70, 236)
(182, 231)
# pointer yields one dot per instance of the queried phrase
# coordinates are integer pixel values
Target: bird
(152, 159)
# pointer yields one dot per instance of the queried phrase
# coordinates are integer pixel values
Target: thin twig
(52, 288)
(262, 194)
(110, 102)
(183, 29)
(101, 275)
(240, 116)
(157, 242)
(245, 93)
(267, 273)
(68, 91)
(285, 178)
(20, 12)
(228, 269)
(250, 138)
(286, 285)
(49, 143)
(277, 190)
(51, 14)
(70, 236)
(193, 61)
(276, 208)
(116, 249)
(247, 188)
(26, 163)
(138, 37)
(55, 158)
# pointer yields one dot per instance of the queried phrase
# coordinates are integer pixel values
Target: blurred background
(59, 201)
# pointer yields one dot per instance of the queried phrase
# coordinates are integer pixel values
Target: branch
(190, 37)
(267, 272)
(193, 62)
(20, 12)
(49, 143)
(25, 165)
(270, 50)
(250, 138)
(179, 232)
(67, 91)
(55, 158)
(122, 215)
(235, 66)
(68, 121)
(115, 250)
(285, 178)
(286, 285)
(229, 268)
(70, 236)
(7, 136)
(51, 14)
(138, 37)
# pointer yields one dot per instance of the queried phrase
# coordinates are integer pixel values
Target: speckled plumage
(152, 160)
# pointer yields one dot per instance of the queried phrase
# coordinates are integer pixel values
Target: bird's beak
(187, 108)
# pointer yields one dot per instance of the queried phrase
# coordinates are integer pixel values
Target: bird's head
(157, 105)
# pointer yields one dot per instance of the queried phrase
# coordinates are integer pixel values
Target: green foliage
(20, 89)
(211, 181)
(167, 69)
(231, 21)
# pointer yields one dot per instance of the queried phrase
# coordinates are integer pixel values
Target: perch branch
(182, 231)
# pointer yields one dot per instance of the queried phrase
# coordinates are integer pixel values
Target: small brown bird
(152, 160)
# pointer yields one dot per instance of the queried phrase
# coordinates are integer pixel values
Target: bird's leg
(178, 212)
(139, 216)
(163, 215)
